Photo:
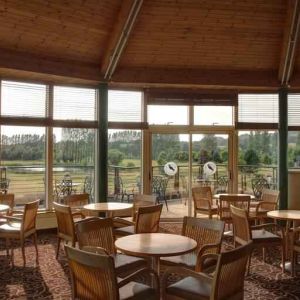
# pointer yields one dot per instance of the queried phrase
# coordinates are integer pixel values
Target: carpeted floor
(50, 279)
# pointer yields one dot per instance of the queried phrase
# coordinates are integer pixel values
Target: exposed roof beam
(290, 39)
(232, 79)
(26, 62)
(119, 37)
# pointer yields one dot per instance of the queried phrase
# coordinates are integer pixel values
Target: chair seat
(186, 260)
(254, 213)
(137, 291)
(190, 288)
(127, 230)
(260, 236)
(124, 263)
(214, 208)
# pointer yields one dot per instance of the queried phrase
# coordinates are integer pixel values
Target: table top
(4, 207)
(293, 215)
(217, 196)
(155, 244)
(107, 206)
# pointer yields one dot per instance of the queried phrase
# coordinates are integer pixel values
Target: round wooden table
(155, 245)
(4, 207)
(217, 196)
(107, 207)
(291, 217)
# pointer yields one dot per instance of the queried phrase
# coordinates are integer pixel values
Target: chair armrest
(12, 218)
(93, 249)
(201, 259)
(144, 271)
(78, 213)
(119, 222)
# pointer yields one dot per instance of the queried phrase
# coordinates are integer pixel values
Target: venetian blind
(260, 110)
(21, 99)
(124, 106)
(294, 109)
(71, 103)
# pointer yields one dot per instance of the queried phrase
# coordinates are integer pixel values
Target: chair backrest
(29, 217)
(222, 184)
(65, 222)
(93, 275)
(228, 282)
(200, 196)
(258, 184)
(76, 200)
(241, 201)
(241, 227)
(96, 232)
(8, 199)
(147, 220)
(140, 200)
(204, 231)
(270, 196)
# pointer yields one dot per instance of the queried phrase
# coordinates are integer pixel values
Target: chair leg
(249, 263)
(264, 254)
(23, 252)
(36, 247)
(166, 203)
(283, 257)
(7, 243)
(58, 246)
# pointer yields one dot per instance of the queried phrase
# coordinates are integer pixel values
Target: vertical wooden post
(101, 145)
(283, 144)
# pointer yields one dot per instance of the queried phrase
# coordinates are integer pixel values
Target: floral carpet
(50, 280)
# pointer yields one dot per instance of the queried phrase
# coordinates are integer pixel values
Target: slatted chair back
(8, 199)
(204, 232)
(76, 200)
(29, 218)
(147, 220)
(96, 232)
(202, 197)
(140, 200)
(269, 199)
(93, 275)
(241, 201)
(241, 228)
(65, 222)
(228, 282)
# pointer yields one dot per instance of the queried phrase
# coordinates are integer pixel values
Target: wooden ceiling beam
(26, 62)
(216, 79)
(289, 45)
(119, 37)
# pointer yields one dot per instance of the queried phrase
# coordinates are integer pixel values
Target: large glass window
(213, 115)
(22, 170)
(74, 161)
(167, 115)
(124, 164)
(257, 161)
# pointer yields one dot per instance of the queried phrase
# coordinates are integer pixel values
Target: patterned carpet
(51, 279)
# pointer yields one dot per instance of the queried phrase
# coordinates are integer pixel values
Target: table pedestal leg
(155, 265)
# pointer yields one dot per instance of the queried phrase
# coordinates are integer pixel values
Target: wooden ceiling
(234, 44)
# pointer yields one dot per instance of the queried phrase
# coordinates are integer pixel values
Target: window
(74, 103)
(213, 115)
(258, 109)
(294, 109)
(124, 106)
(23, 99)
(168, 114)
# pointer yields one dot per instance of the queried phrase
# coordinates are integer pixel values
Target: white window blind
(258, 108)
(21, 99)
(124, 106)
(71, 103)
(294, 109)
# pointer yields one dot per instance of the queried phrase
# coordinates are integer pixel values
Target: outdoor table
(291, 217)
(107, 207)
(155, 245)
(4, 207)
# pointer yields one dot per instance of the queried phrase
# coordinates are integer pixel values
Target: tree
(252, 160)
(115, 157)
(162, 158)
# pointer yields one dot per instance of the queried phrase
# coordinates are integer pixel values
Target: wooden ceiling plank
(119, 37)
(289, 45)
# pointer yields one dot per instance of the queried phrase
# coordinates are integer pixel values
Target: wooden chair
(65, 224)
(259, 235)
(269, 201)
(241, 201)
(208, 234)
(96, 232)
(227, 282)
(20, 228)
(93, 276)
(203, 202)
(147, 221)
(259, 183)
